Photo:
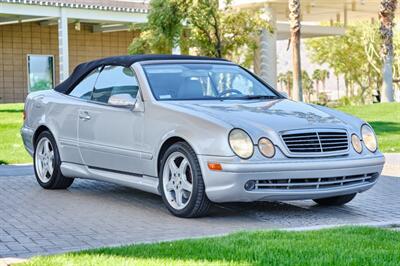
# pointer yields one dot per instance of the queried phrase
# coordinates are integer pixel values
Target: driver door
(110, 138)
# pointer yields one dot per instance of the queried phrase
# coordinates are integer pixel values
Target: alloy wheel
(44, 160)
(177, 180)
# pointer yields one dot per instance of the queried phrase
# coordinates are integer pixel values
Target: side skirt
(142, 182)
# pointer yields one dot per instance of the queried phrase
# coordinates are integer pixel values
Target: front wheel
(335, 201)
(46, 160)
(181, 182)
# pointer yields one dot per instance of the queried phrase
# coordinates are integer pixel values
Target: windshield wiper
(255, 97)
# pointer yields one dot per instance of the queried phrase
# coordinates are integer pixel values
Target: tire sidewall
(57, 161)
(197, 177)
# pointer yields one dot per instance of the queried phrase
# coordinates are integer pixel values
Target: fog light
(250, 185)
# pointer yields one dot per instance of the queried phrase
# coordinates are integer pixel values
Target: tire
(43, 161)
(335, 201)
(197, 204)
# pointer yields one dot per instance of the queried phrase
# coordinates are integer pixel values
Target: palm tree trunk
(338, 86)
(386, 16)
(294, 19)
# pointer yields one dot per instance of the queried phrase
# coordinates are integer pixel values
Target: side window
(115, 80)
(84, 89)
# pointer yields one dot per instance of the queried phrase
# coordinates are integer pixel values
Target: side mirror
(122, 100)
(284, 94)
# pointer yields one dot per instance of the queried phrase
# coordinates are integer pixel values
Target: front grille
(316, 183)
(316, 142)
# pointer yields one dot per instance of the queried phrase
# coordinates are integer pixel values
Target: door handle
(84, 116)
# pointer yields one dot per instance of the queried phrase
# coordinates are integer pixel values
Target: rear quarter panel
(58, 113)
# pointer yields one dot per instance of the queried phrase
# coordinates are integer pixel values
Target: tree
(205, 26)
(307, 84)
(281, 78)
(287, 80)
(161, 31)
(294, 19)
(324, 76)
(354, 55)
(316, 76)
(386, 16)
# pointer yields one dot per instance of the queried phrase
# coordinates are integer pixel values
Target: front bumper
(228, 185)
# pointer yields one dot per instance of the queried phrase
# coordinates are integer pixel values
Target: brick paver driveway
(92, 214)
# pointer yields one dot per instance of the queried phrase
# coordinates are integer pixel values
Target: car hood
(278, 115)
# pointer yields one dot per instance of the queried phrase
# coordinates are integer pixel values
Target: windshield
(204, 82)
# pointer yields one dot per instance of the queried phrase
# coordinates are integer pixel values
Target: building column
(266, 56)
(63, 45)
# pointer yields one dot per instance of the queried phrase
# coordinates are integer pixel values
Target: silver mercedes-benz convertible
(195, 130)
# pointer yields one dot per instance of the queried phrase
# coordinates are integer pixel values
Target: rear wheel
(47, 163)
(335, 201)
(181, 182)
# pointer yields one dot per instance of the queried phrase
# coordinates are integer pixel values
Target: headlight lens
(266, 147)
(356, 142)
(241, 143)
(369, 138)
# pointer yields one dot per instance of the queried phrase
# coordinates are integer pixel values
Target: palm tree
(307, 84)
(286, 79)
(294, 19)
(386, 16)
(337, 84)
(289, 82)
(281, 79)
(324, 76)
(316, 76)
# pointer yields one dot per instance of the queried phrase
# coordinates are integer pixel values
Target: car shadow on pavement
(95, 198)
(287, 214)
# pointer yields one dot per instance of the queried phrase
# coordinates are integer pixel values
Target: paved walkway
(93, 214)
(392, 165)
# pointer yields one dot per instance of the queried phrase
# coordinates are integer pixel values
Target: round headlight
(356, 142)
(266, 147)
(241, 143)
(368, 136)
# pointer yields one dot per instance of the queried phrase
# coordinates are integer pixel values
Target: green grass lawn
(11, 147)
(385, 119)
(340, 246)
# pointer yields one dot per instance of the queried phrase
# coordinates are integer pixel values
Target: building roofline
(112, 5)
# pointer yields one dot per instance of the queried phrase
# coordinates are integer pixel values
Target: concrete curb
(11, 261)
(18, 164)
(391, 224)
(392, 165)
(388, 225)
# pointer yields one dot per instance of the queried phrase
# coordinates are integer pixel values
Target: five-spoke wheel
(47, 163)
(181, 182)
(178, 180)
(44, 157)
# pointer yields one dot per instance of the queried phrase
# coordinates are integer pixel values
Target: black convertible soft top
(125, 60)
